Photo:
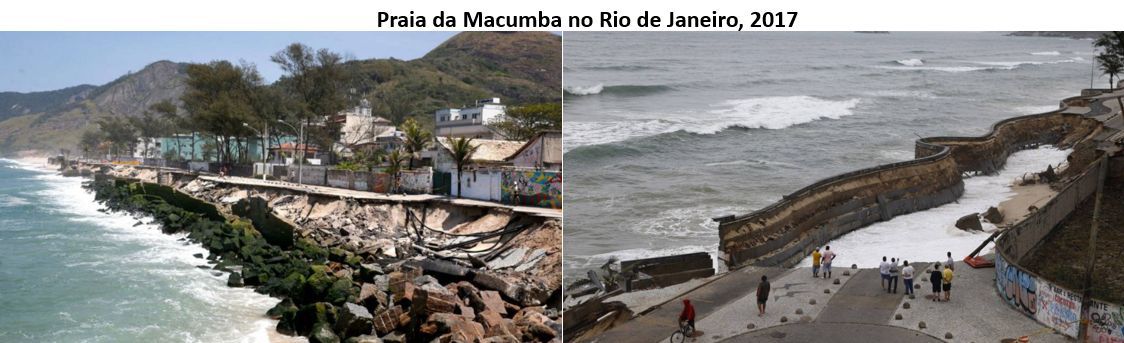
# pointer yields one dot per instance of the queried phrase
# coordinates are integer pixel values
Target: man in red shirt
(688, 314)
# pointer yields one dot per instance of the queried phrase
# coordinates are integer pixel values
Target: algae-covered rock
(311, 314)
(322, 333)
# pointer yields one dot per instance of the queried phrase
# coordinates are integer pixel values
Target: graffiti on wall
(532, 187)
(1016, 286)
(1106, 323)
(1053, 306)
(1059, 308)
(380, 183)
(416, 181)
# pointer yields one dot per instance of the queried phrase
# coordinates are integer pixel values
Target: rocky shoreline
(357, 271)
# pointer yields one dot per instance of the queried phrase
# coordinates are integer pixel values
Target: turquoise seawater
(69, 273)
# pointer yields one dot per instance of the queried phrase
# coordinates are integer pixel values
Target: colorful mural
(1058, 308)
(532, 188)
(1017, 287)
(1106, 323)
(1053, 306)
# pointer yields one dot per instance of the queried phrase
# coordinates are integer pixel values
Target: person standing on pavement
(935, 277)
(816, 262)
(762, 295)
(893, 286)
(946, 276)
(907, 277)
(828, 257)
(948, 263)
(884, 271)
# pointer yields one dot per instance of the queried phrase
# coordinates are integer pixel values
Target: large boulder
(310, 315)
(286, 313)
(322, 333)
(453, 327)
(993, 216)
(969, 222)
(235, 280)
(354, 320)
(388, 320)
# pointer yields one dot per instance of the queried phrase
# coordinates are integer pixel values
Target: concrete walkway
(658, 324)
(364, 195)
(859, 310)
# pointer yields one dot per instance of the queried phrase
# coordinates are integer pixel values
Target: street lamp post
(300, 160)
(264, 139)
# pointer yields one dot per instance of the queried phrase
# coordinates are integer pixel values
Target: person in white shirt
(828, 257)
(949, 261)
(907, 277)
(884, 269)
(893, 286)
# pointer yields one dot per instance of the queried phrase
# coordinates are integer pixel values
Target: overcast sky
(41, 61)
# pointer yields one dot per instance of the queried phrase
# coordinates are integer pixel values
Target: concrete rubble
(408, 271)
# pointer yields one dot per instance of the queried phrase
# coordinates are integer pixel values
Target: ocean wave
(1046, 53)
(164, 258)
(897, 93)
(986, 66)
(751, 162)
(1008, 65)
(684, 222)
(595, 261)
(619, 90)
(912, 62)
(1034, 109)
(622, 68)
(588, 90)
(770, 113)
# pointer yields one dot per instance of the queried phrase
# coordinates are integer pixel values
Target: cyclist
(688, 315)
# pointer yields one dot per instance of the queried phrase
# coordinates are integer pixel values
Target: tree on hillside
(149, 127)
(314, 85)
(174, 123)
(120, 135)
(462, 150)
(523, 122)
(417, 139)
(398, 105)
(219, 98)
(91, 142)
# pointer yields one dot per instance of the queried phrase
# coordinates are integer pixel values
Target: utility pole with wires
(1090, 264)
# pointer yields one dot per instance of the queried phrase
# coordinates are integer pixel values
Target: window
(474, 115)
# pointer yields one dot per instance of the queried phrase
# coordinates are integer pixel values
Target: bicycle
(684, 331)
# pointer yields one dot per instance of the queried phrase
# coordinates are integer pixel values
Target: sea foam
(772, 113)
(929, 234)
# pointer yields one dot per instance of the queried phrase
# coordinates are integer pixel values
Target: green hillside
(520, 67)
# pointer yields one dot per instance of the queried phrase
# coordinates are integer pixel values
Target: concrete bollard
(784, 319)
(898, 316)
(947, 335)
(826, 291)
(835, 282)
(905, 305)
(812, 302)
(799, 311)
(921, 325)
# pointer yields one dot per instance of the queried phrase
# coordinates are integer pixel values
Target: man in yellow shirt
(947, 278)
(816, 262)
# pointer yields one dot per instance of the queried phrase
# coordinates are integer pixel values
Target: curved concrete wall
(1037, 297)
(784, 233)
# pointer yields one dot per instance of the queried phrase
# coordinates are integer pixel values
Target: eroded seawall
(783, 233)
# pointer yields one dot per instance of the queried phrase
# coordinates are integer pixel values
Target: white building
(359, 127)
(469, 121)
(153, 148)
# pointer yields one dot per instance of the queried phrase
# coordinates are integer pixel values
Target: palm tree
(1112, 65)
(417, 139)
(1113, 55)
(395, 160)
(462, 150)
